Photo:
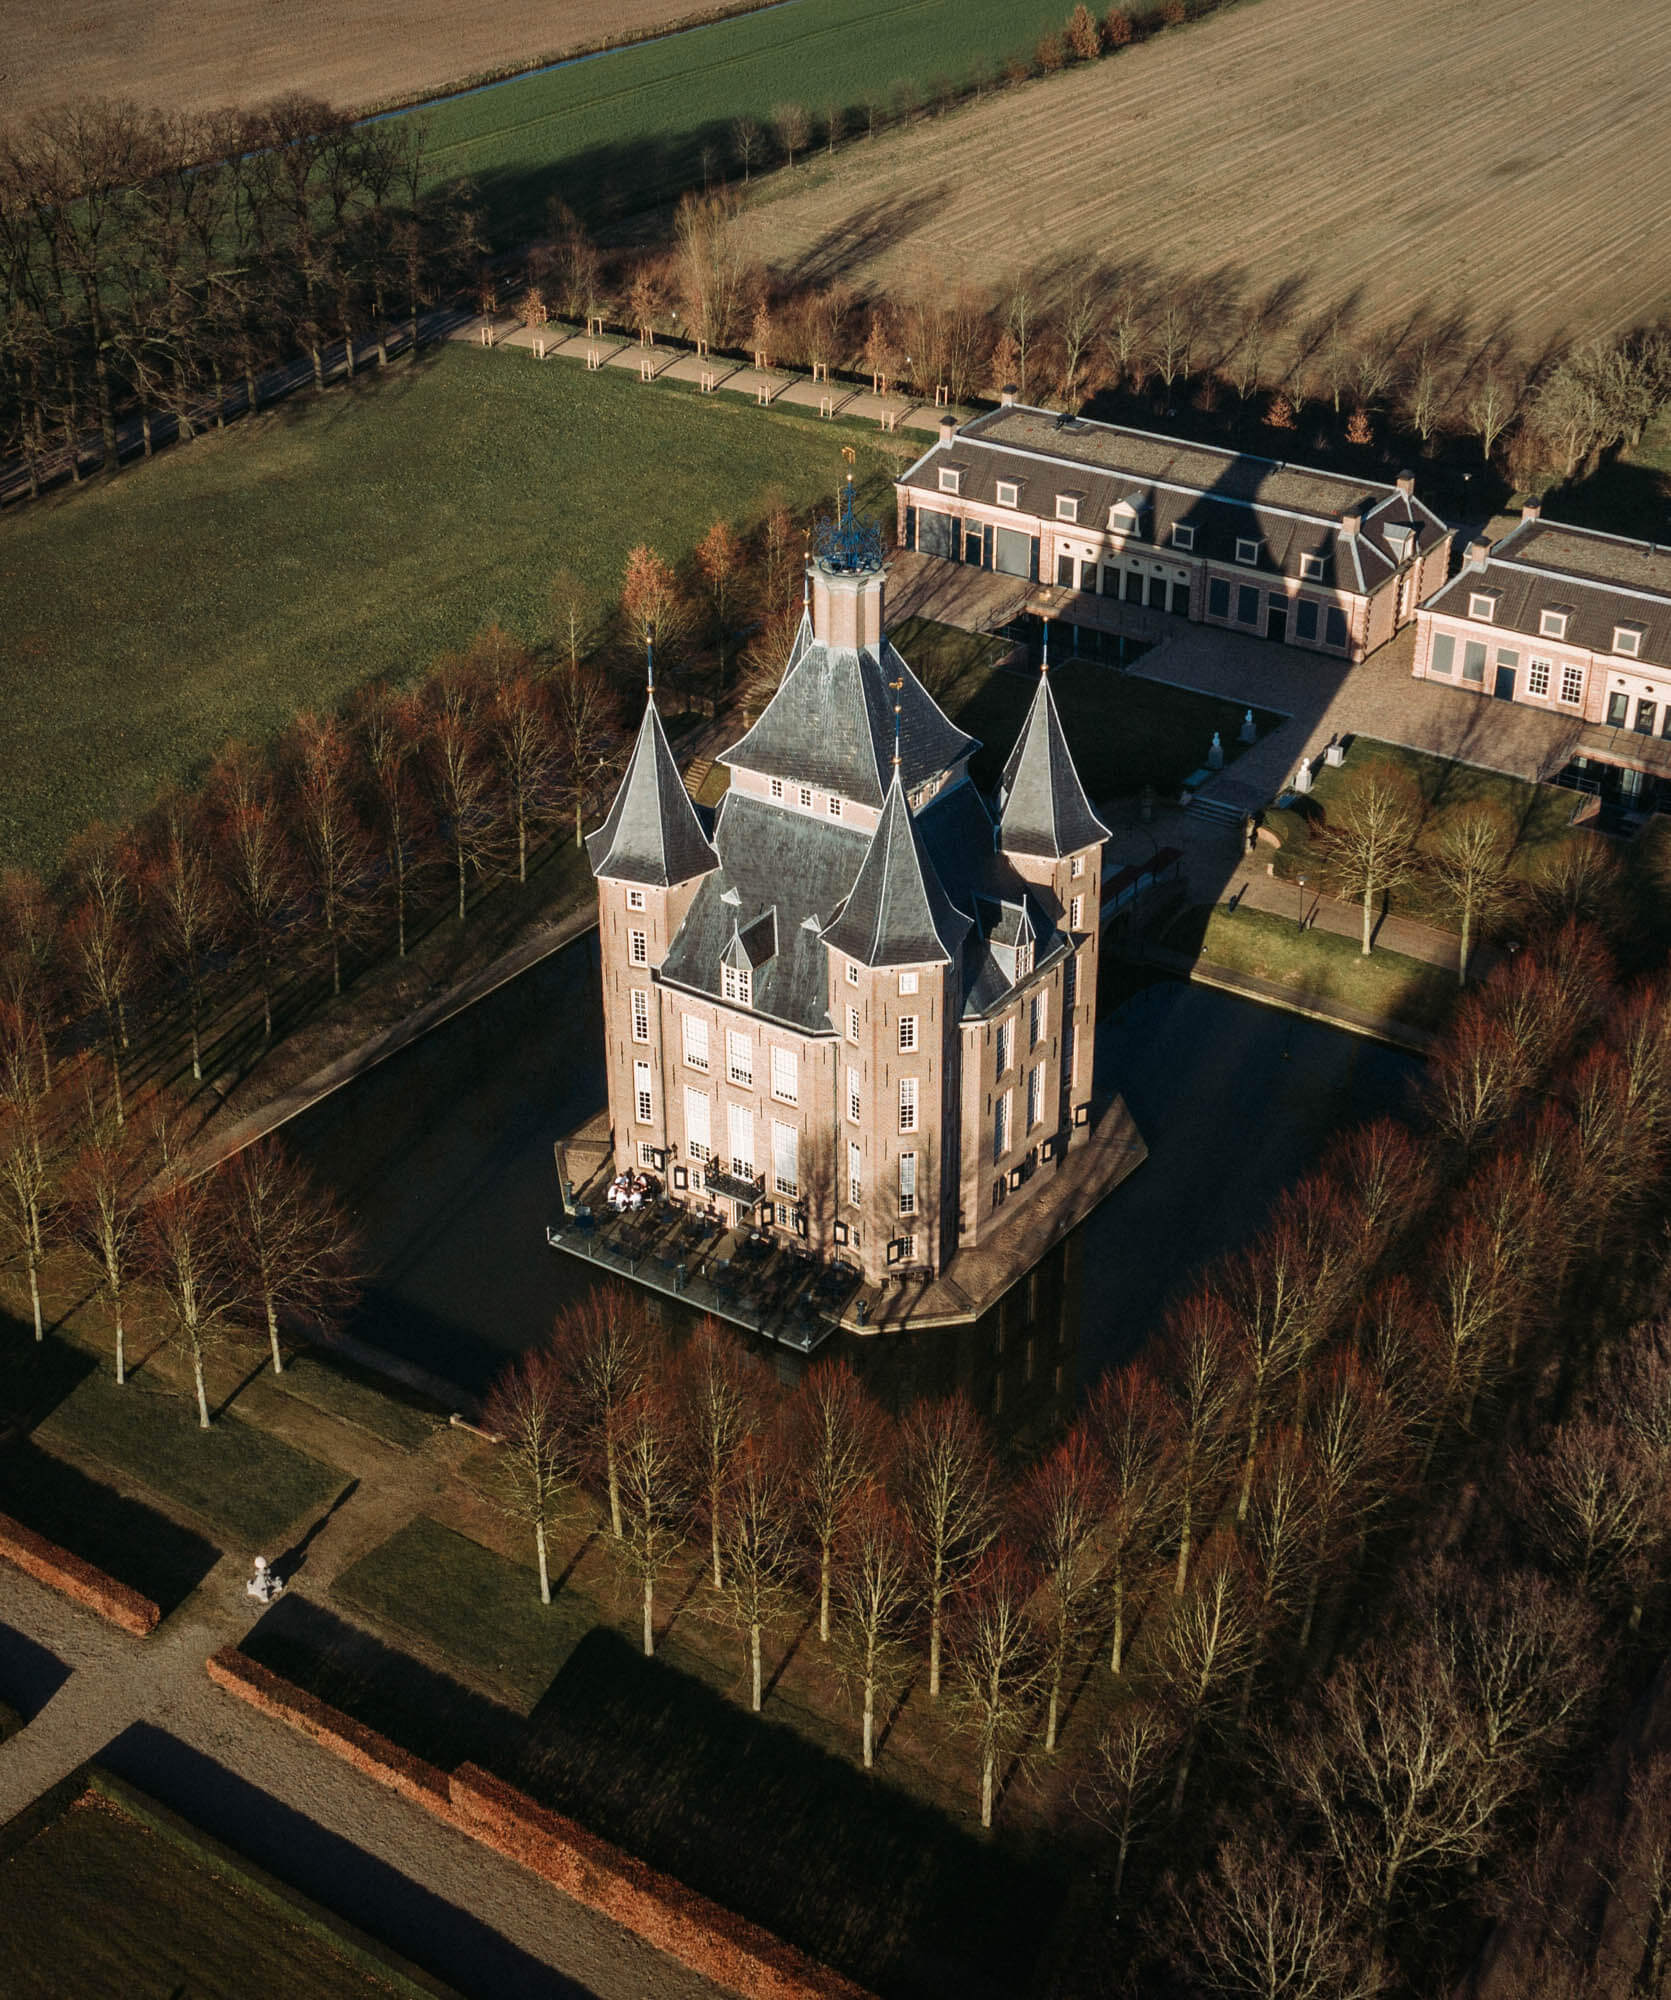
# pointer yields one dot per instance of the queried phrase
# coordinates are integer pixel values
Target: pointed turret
(897, 913)
(652, 835)
(1043, 807)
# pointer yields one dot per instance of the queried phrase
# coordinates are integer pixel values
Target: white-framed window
(1572, 685)
(640, 1014)
(642, 1102)
(740, 1126)
(1035, 1096)
(1627, 639)
(1247, 550)
(852, 1024)
(805, 796)
(1537, 676)
(1552, 624)
(1482, 604)
(852, 972)
(698, 1130)
(1009, 493)
(777, 788)
(855, 1173)
(907, 982)
(905, 1250)
(907, 1033)
(835, 805)
(646, 1153)
(950, 478)
(907, 1183)
(1001, 1126)
(1067, 506)
(696, 1043)
(1024, 959)
(1078, 867)
(1070, 982)
(1314, 569)
(737, 984)
(1183, 536)
(786, 1141)
(638, 948)
(853, 1103)
(1006, 1046)
(908, 1104)
(635, 899)
(1038, 1018)
(786, 1076)
(1076, 912)
(739, 1057)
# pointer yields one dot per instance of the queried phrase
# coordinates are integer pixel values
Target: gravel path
(147, 1710)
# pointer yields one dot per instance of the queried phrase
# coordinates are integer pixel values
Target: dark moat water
(444, 1155)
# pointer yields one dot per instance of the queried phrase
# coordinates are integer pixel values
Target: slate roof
(1223, 496)
(1043, 807)
(831, 724)
(653, 834)
(1601, 580)
(897, 912)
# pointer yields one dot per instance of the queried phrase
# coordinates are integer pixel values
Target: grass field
(102, 1895)
(1316, 965)
(1628, 495)
(217, 590)
(371, 1402)
(1310, 143)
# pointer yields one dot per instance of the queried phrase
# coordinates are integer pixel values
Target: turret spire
(650, 665)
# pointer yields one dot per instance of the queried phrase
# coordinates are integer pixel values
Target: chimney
(1476, 553)
(948, 429)
(1007, 395)
(847, 607)
(1351, 524)
(1407, 485)
(1533, 509)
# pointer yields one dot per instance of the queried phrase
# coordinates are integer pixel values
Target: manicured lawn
(103, 1899)
(631, 127)
(247, 1488)
(1317, 965)
(328, 1382)
(1536, 818)
(217, 590)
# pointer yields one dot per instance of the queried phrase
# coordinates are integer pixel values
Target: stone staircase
(696, 772)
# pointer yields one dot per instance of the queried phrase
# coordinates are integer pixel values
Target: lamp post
(1302, 903)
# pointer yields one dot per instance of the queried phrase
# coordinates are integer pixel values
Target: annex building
(1316, 559)
(850, 1013)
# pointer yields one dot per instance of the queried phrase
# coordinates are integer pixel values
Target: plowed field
(1516, 162)
(192, 55)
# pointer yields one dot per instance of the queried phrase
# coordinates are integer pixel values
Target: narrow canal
(444, 1155)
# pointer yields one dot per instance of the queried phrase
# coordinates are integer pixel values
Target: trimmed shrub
(59, 1570)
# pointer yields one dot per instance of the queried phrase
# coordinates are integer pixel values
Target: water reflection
(444, 1156)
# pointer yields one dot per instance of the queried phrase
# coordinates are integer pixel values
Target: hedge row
(676, 1920)
(47, 1563)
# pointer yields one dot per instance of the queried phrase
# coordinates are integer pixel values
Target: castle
(855, 1007)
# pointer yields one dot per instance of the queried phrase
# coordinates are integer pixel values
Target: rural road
(147, 1711)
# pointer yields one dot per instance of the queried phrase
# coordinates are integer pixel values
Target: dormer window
(1183, 536)
(951, 479)
(1024, 959)
(1552, 624)
(1124, 519)
(1067, 506)
(1627, 640)
(1009, 493)
(1314, 569)
(1247, 551)
(737, 985)
(1482, 604)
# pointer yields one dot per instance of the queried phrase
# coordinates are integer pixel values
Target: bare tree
(1059, 1510)
(836, 1437)
(1477, 1077)
(793, 129)
(719, 556)
(27, 1184)
(461, 776)
(746, 140)
(527, 1408)
(1208, 1646)
(1266, 1923)
(1198, 1372)
(585, 733)
(995, 1650)
(652, 604)
(652, 1496)
(1271, 1291)
(390, 731)
(105, 1197)
(757, 1548)
(258, 866)
(296, 1243)
(1492, 406)
(719, 1401)
(1470, 861)
(601, 1346)
(522, 730)
(1135, 1426)
(333, 846)
(187, 902)
(946, 1495)
(1369, 847)
(1121, 1787)
(192, 1257)
(1598, 1507)
(1357, 1434)
(876, 1593)
(101, 939)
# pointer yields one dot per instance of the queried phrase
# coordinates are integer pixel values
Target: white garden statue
(263, 1586)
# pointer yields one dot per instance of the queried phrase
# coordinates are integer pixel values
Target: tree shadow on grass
(741, 1808)
(35, 1376)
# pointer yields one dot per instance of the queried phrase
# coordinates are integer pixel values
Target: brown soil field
(1516, 163)
(195, 55)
